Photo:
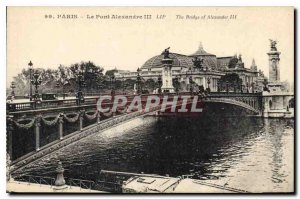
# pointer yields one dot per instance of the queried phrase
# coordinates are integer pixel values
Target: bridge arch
(245, 103)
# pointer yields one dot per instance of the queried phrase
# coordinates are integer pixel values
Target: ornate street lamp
(208, 83)
(64, 83)
(112, 82)
(96, 72)
(99, 86)
(13, 86)
(138, 82)
(36, 81)
(191, 84)
(80, 81)
(84, 86)
(227, 86)
(30, 64)
(57, 85)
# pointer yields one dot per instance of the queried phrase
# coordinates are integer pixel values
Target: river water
(247, 153)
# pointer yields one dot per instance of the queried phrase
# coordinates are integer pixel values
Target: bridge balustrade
(47, 104)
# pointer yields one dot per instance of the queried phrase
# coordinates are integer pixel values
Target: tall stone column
(60, 130)
(274, 59)
(37, 133)
(167, 80)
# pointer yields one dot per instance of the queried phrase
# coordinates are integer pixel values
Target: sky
(128, 43)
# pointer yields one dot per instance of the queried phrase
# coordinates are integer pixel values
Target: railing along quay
(42, 180)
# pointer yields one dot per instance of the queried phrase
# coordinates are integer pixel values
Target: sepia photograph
(126, 100)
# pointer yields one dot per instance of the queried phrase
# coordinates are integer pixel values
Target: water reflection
(253, 154)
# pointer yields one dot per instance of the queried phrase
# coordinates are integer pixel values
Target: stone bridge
(249, 101)
(35, 130)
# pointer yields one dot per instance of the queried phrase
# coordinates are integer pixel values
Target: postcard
(150, 100)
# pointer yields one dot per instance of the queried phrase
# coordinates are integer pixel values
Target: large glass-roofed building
(183, 67)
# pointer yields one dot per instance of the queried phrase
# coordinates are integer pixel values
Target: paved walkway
(24, 187)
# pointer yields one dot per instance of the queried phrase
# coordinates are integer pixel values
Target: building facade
(211, 71)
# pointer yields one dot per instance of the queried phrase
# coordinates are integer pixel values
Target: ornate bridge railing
(47, 104)
(23, 106)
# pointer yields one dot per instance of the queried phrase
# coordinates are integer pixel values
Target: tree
(149, 84)
(64, 76)
(118, 84)
(129, 84)
(22, 83)
(91, 73)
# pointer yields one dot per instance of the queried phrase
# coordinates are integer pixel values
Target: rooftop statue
(240, 57)
(273, 45)
(197, 62)
(166, 53)
(261, 73)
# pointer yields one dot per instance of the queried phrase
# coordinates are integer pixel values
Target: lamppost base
(60, 188)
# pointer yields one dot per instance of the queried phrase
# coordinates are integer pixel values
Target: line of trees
(64, 79)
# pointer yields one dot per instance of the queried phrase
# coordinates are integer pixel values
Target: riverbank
(25, 187)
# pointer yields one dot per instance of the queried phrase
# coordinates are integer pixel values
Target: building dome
(184, 61)
(178, 61)
(201, 52)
